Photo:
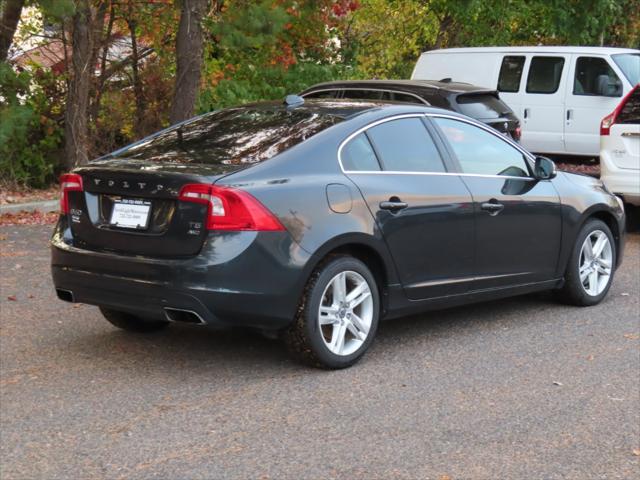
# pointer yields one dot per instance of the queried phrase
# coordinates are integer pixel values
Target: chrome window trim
(422, 100)
(527, 155)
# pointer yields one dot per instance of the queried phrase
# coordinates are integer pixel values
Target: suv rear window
(232, 137)
(482, 107)
(630, 113)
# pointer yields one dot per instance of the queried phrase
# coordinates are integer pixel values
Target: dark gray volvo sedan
(316, 219)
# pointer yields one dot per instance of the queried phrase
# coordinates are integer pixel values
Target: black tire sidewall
(312, 326)
(573, 285)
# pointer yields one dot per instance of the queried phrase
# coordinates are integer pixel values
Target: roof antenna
(293, 101)
(446, 80)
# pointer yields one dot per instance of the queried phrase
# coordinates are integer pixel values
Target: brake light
(69, 182)
(230, 208)
(608, 121)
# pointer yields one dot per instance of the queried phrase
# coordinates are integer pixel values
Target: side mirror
(544, 169)
(607, 88)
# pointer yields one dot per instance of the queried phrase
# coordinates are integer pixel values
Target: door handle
(631, 134)
(526, 113)
(394, 204)
(493, 207)
(569, 114)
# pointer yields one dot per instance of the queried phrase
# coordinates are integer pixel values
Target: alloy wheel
(345, 313)
(596, 262)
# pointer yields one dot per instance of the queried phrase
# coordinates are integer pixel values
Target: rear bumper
(239, 279)
(624, 182)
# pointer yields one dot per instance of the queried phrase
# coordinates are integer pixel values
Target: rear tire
(132, 323)
(338, 315)
(587, 281)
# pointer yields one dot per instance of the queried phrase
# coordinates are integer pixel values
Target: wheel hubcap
(346, 313)
(596, 257)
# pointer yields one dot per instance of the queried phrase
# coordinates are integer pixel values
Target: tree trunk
(137, 83)
(76, 114)
(9, 18)
(189, 50)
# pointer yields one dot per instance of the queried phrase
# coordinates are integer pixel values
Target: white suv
(620, 148)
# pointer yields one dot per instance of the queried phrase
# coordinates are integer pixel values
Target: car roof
(541, 49)
(401, 85)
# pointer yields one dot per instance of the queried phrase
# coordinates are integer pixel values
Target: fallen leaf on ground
(590, 357)
(445, 477)
(28, 218)
(557, 383)
(3, 237)
(624, 294)
(12, 298)
(636, 452)
(632, 336)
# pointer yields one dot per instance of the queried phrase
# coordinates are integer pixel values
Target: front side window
(510, 73)
(480, 152)
(545, 74)
(358, 155)
(594, 76)
(404, 145)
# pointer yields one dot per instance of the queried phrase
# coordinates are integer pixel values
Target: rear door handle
(394, 204)
(493, 208)
(526, 113)
(631, 134)
(569, 114)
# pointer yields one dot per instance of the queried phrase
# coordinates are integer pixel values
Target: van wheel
(338, 315)
(132, 323)
(591, 266)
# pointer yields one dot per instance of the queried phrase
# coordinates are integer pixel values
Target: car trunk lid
(117, 194)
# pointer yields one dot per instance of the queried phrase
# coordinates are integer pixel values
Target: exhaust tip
(65, 295)
(179, 315)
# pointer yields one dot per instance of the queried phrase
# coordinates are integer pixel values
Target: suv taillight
(69, 182)
(230, 208)
(608, 121)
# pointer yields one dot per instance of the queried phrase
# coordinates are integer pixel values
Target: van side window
(545, 74)
(510, 74)
(323, 94)
(594, 76)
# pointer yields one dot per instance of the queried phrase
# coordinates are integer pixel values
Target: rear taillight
(230, 208)
(69, 182)
(608, 121)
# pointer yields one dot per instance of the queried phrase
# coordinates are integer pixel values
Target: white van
(560, 94)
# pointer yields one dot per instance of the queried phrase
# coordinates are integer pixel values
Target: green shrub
(30, 139)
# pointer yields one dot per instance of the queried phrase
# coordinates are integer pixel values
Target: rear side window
(362, 94)
(594, 76)
(510, 73)
(545, 74)
(480, 152)
(482, 107)
(358, 155)
(323, 94)
(630, 113)
(404, 145)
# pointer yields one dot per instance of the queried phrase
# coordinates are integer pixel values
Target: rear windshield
(629, 63)
(630, 113)
(482, 107)
(233, 137)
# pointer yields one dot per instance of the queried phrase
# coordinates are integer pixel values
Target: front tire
(132, 323)
(338, 315)
(591, 266)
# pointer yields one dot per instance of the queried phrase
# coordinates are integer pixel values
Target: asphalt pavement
(522, 388)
